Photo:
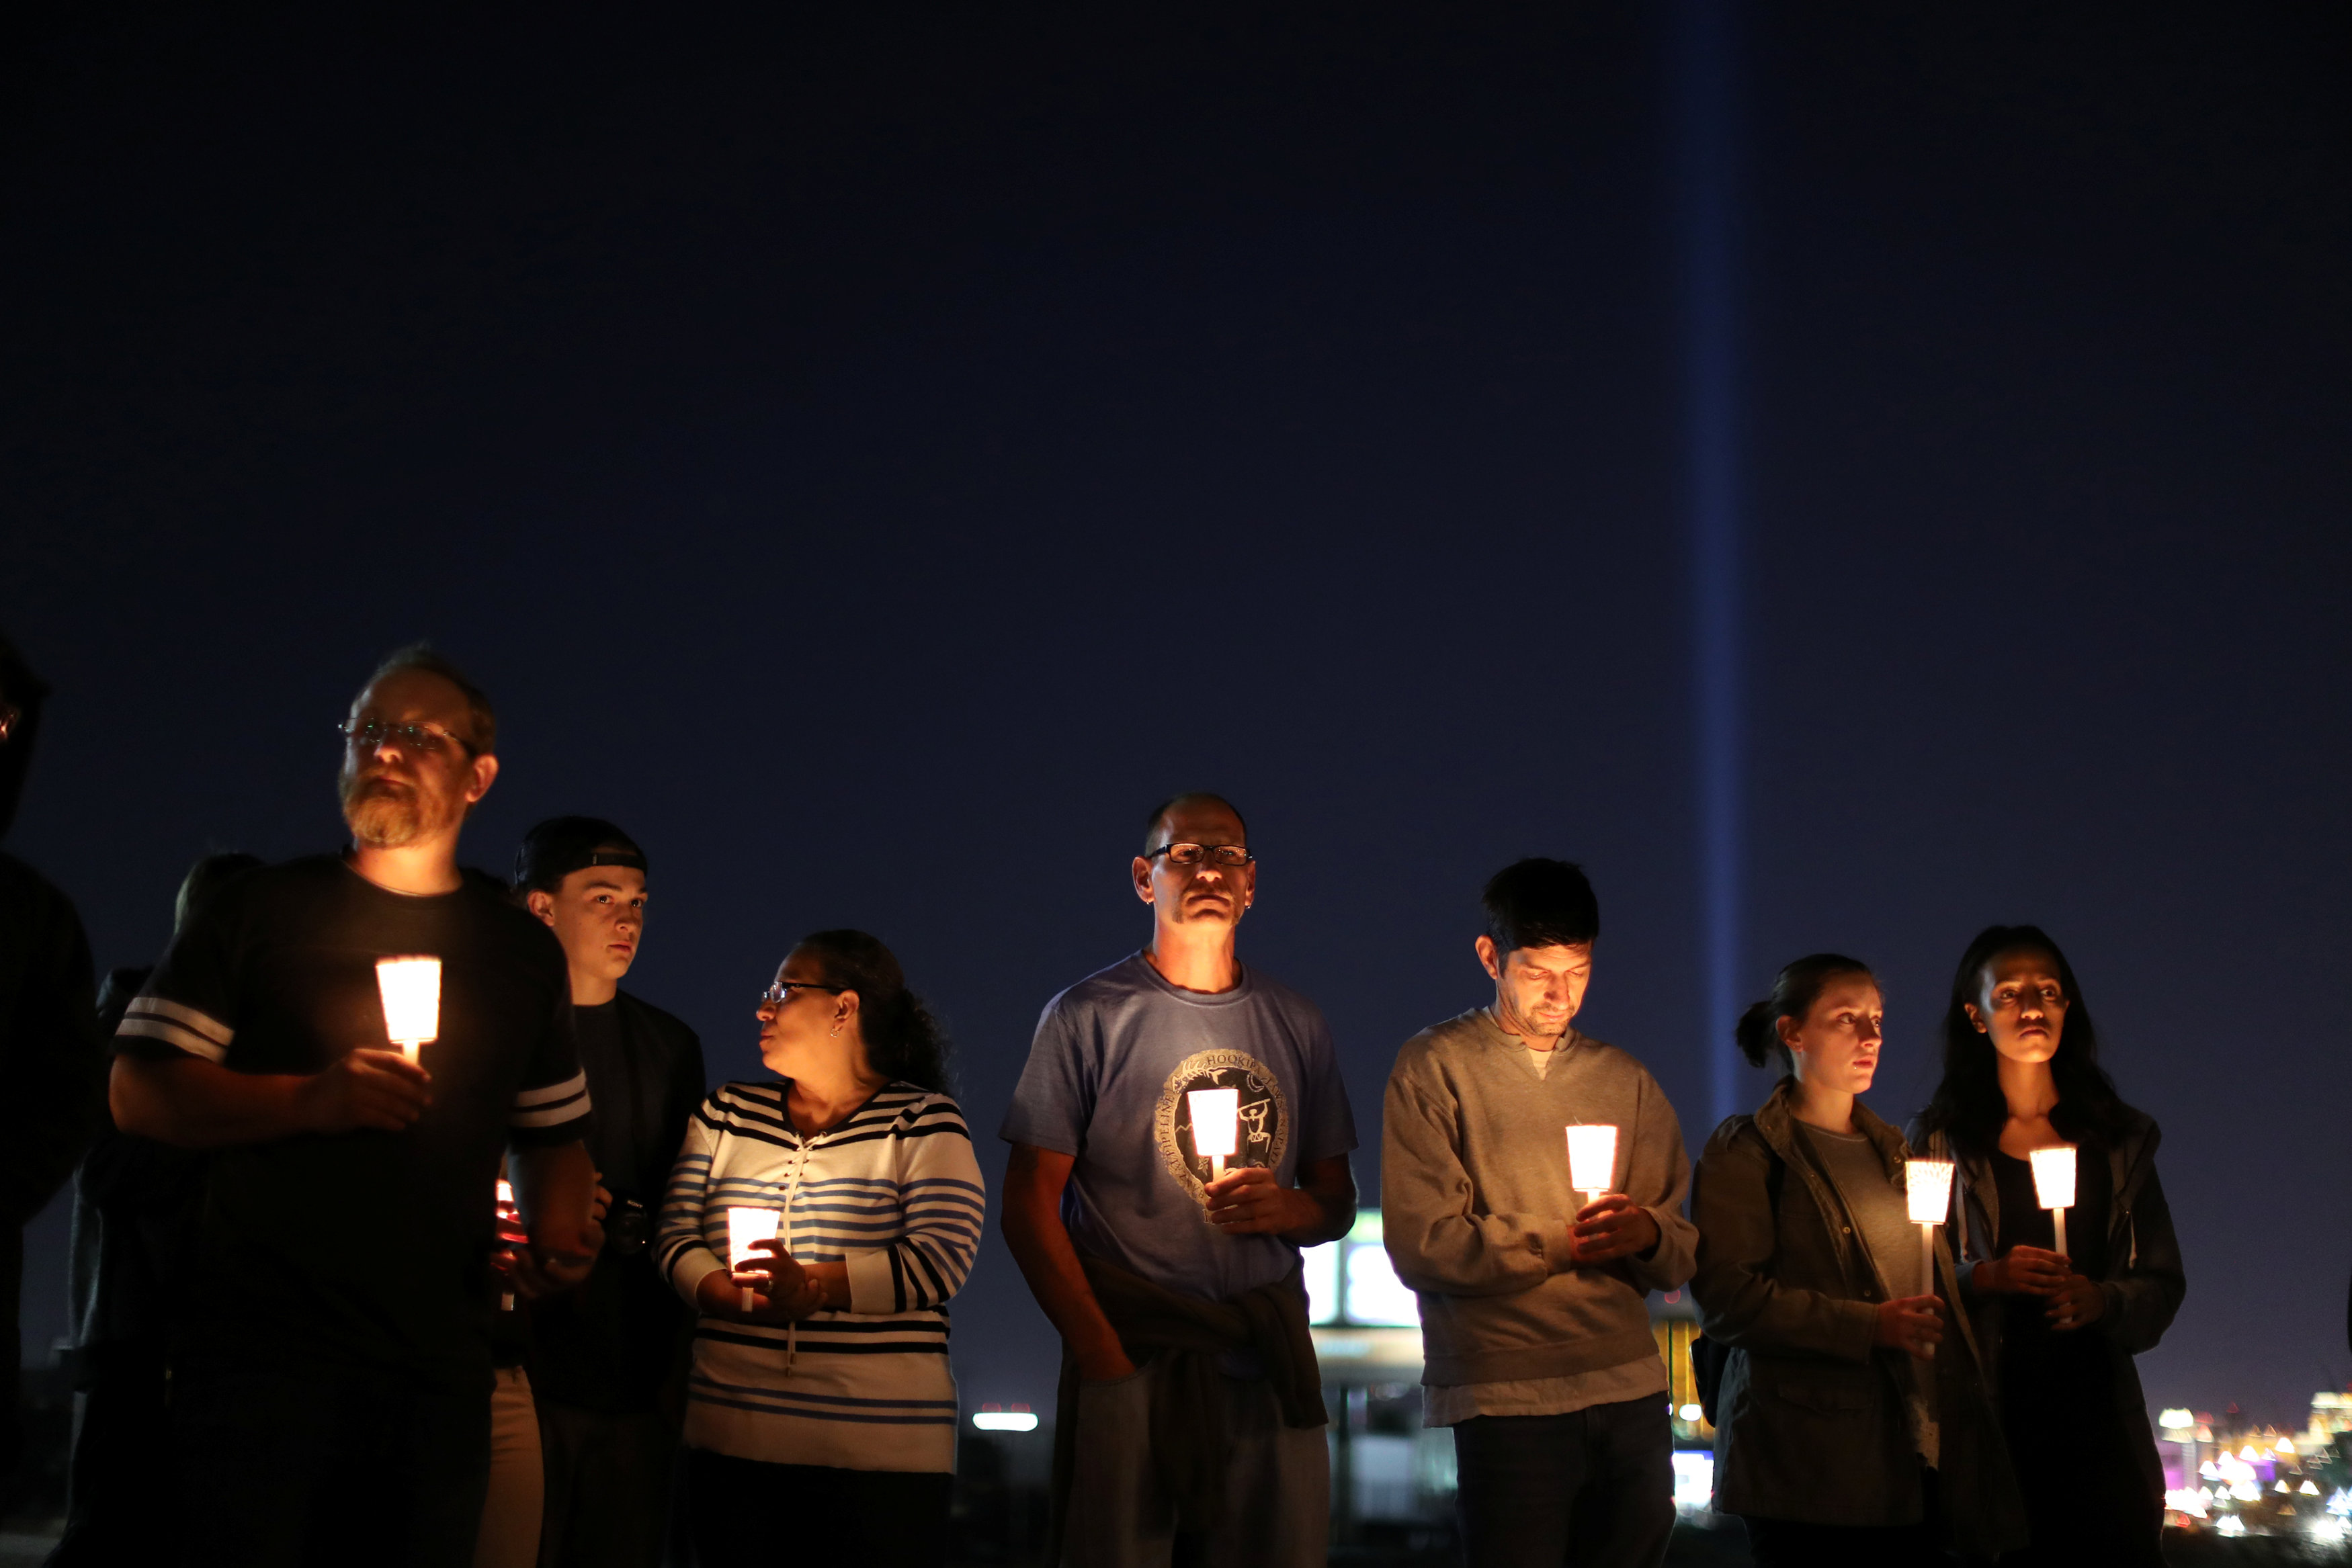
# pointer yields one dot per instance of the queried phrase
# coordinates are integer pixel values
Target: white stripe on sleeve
(575, 1084)
(171, 1034)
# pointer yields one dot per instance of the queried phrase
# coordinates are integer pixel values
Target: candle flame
(2053, 1176)
(1216, 1115)
(1593, 1159)
(746, 1225)
(1929, 1186)
(411, 988)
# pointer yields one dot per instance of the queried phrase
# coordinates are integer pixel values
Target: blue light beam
(1708, 171)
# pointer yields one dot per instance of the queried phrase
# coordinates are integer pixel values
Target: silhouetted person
(331, 1401)
(1191, 1405)
(607, 1359)
(136, 1207)
(51, 1056)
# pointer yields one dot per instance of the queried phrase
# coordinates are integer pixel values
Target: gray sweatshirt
(1475, 1205)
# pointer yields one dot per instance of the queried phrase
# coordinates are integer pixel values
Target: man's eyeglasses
(367, 734)
(1194, 854)
(780, 993)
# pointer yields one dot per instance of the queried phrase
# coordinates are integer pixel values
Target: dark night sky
(875, 459)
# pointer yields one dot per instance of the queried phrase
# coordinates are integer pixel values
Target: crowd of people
(523, 1292)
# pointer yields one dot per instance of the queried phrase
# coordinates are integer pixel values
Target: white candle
(1928, 1188)
(1592, 1160)
(746, 1225)
(1216, 1126)
(2053, 1185)
(411, 988)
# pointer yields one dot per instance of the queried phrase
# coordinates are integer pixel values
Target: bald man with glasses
(1180, 1132)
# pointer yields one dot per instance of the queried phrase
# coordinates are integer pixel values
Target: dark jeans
(608, 1481)
(748, 1514)
(1595, 1488)
(288, 1462)
(118, 1494)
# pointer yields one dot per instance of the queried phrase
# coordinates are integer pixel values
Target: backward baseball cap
(559, 846)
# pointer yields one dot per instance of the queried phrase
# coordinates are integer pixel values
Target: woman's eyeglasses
(780, 993)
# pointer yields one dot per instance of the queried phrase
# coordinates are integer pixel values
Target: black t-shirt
(366, 1244)
(610, 1344)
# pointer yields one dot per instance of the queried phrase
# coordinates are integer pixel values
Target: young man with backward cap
(332, 1398)
(1190, 1413)
(1537, 1347)
(606, 1359)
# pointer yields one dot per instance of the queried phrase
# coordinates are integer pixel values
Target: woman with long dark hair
(820, 1420)
(1843, 1433)
(2022, 1073)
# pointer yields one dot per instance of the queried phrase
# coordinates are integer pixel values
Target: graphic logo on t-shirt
(1262, 1122)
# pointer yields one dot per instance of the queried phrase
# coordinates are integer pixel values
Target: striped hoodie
(895, 1193)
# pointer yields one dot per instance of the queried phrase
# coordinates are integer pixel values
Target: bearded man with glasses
(1180, 1132)
(331, 1396)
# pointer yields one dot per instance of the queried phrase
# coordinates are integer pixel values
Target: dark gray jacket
(2144, 1286)
(1811, 1420)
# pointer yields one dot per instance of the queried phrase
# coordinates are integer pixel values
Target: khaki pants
(509, 1537)
(1277, 1484)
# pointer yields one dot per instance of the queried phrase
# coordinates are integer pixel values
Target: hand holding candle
(1610, 1225)
(411, 988)
(746, 1225)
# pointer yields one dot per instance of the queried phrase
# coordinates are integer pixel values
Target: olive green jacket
(1811, 1417)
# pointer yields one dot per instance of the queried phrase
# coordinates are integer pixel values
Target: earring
(836, 1030)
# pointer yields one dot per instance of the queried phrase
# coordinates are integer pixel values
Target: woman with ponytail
(821, 1416)
(1850, 1425)
(2022, 1073)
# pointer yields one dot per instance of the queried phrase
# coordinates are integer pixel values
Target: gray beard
(390, 820)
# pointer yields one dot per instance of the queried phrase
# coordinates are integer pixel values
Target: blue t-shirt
(1106, 1082)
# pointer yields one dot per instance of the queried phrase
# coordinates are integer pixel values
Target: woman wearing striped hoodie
(821, 1413)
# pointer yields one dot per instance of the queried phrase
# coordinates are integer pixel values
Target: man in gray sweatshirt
(1536, 1337)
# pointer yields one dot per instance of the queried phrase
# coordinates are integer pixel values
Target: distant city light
(2173, 1420)
(2230, 1524)
(994, 1420)
(1692, 1412)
